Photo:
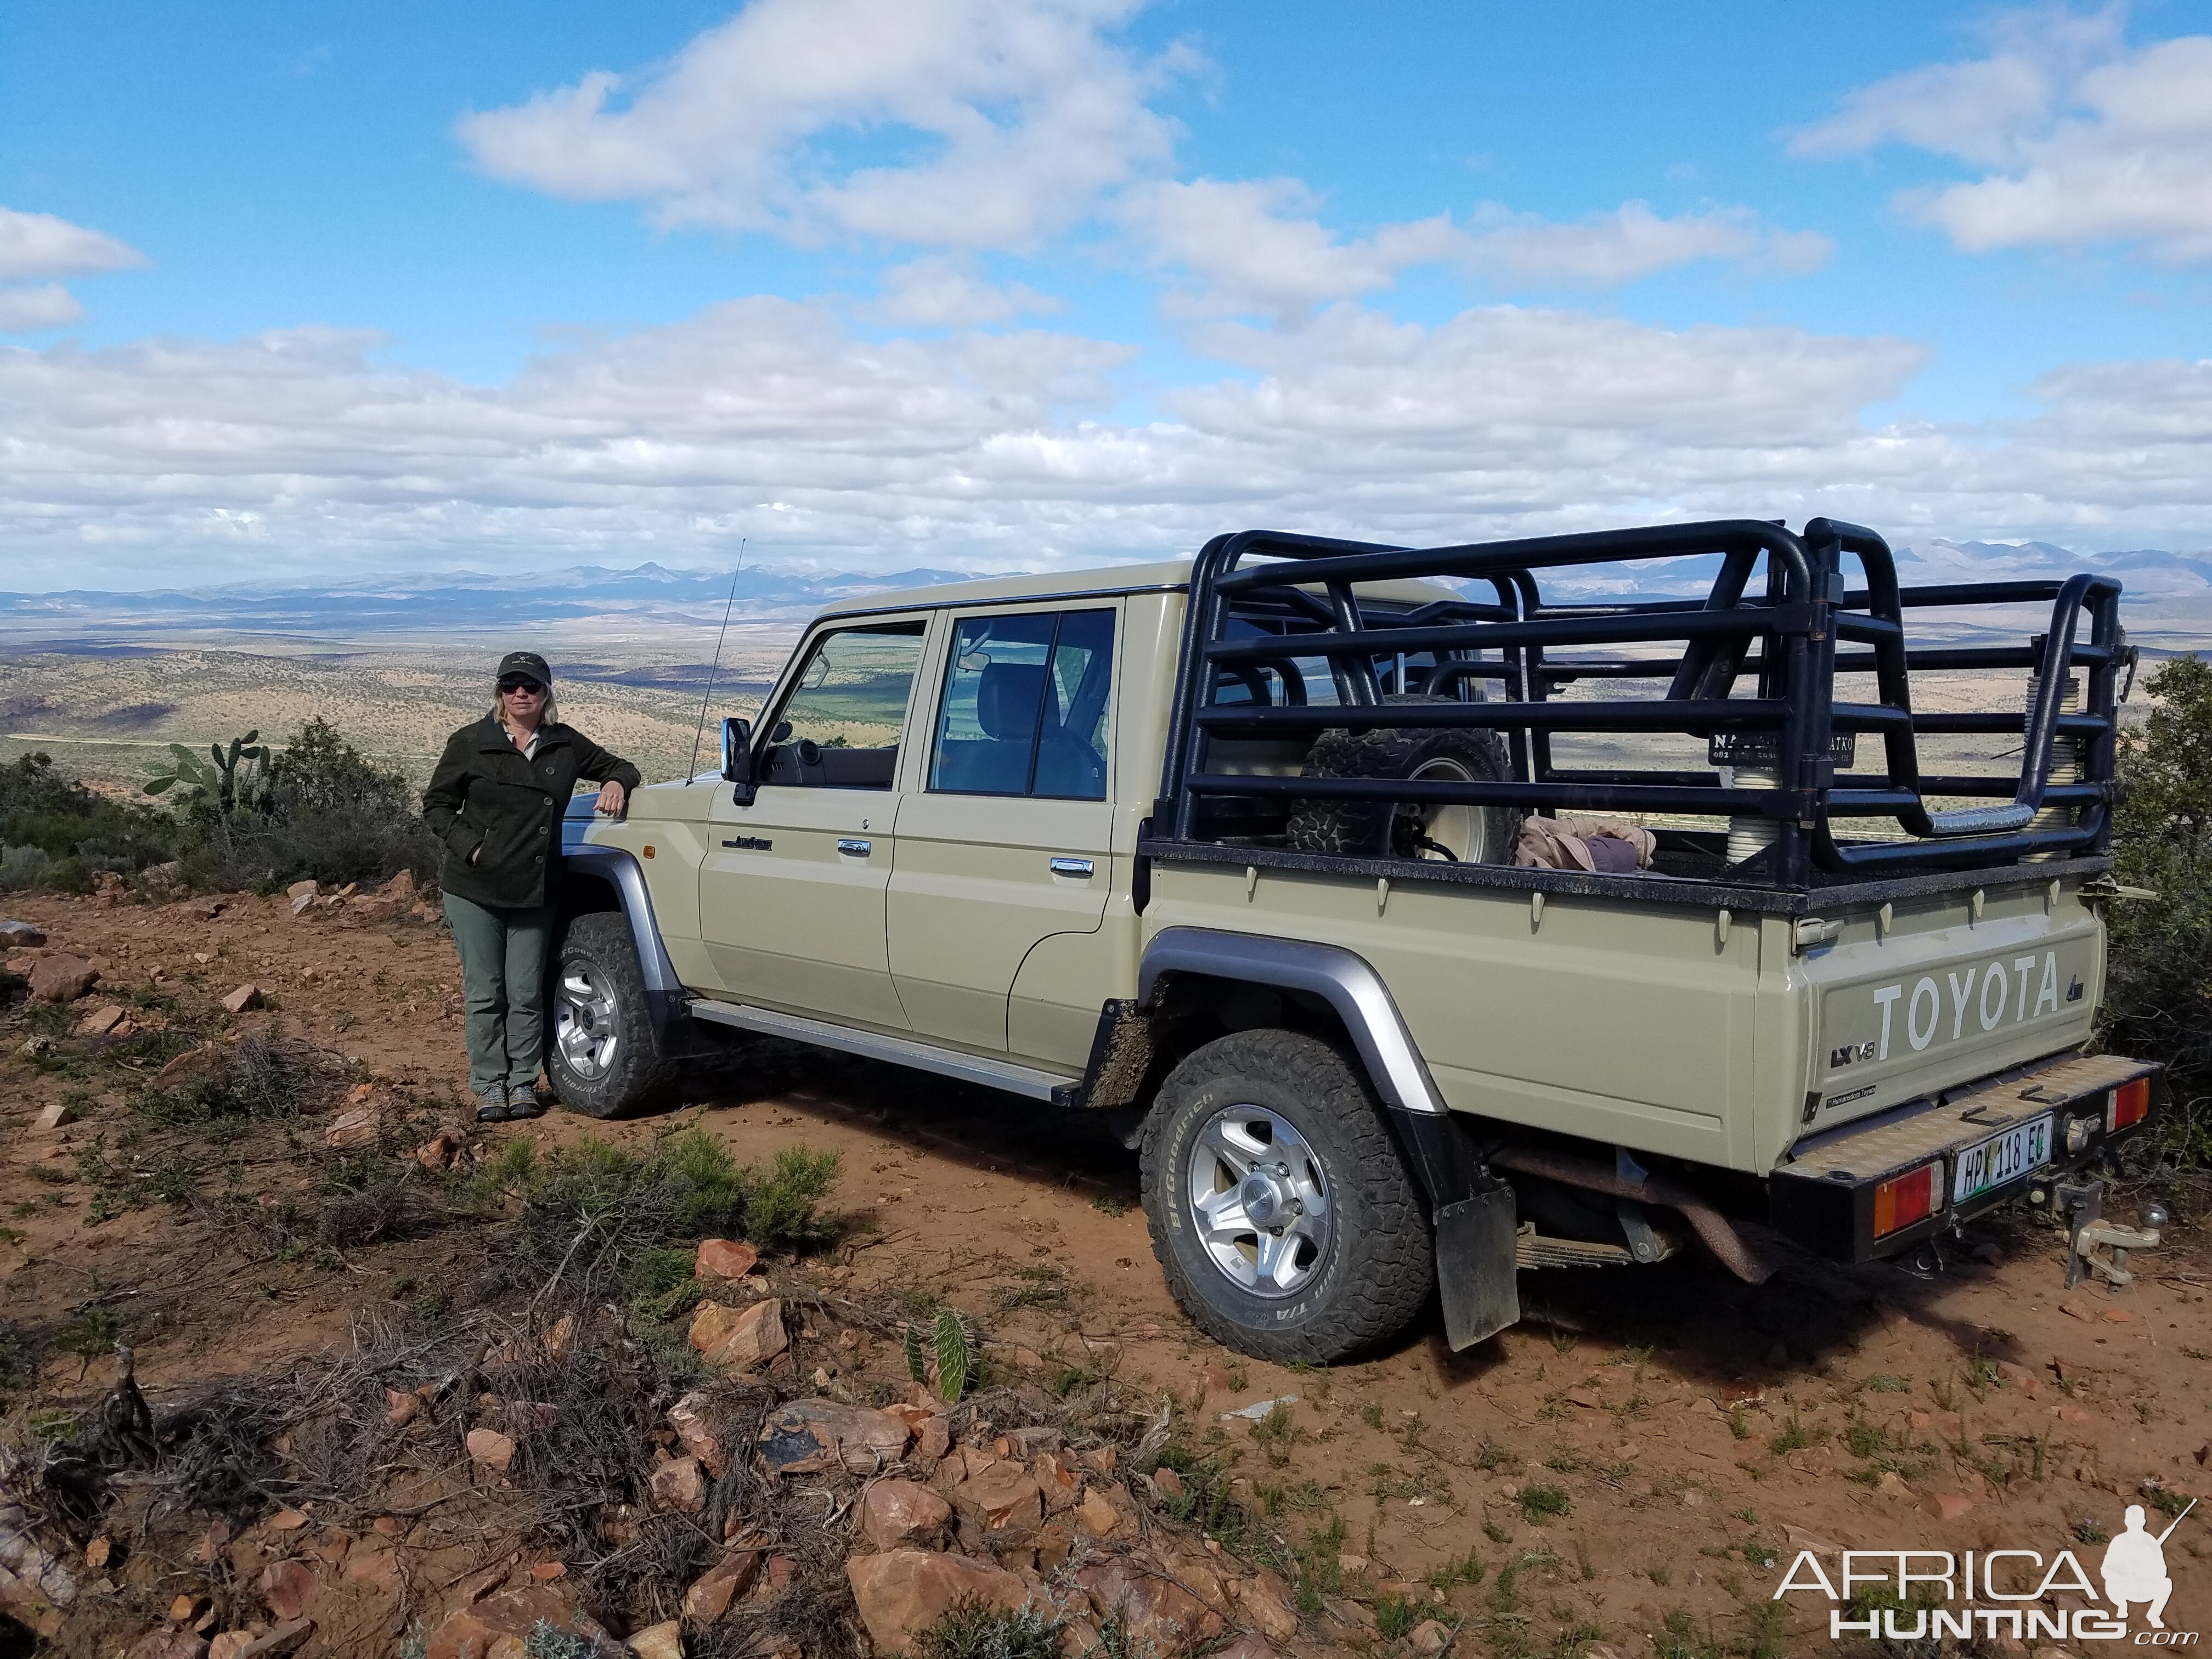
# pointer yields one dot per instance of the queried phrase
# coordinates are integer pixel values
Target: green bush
(2158, 992)
(330, 813)
(973, 1629)
(626, 1210)
(56, 831)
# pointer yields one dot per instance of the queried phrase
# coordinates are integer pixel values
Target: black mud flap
(1476, 1280)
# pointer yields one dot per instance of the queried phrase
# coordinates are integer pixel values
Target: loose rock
(711, 1594)
(901, 1514)
(287, 1588)
(1429, 1636)
(663, 1641)
(1003, 1495)
(479, 1632)
(358, 1127)
(902, 1591)
(57, 1115)
(688, 1416)
(284, 1639)
(724, 1258)
(1095, 1515)
(680, 1484)
(99, 1022)
(809, 1436)
(244, 998)
(190, 1068)
(62, 978)
(739, 1339)
(490, 1448)
(1158, 1613)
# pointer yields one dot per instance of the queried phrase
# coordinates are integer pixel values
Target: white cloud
(766, 418)
(1979, 110)
(1632, 242)
(33, 245)
(23, 310)
(987, 123)
(2088, 141)
(942, 291)
(1255, 245)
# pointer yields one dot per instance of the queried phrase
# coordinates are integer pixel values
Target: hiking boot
(492, 1104)
(522, 1101)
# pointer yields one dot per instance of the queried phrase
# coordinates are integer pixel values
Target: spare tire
(1464, 835)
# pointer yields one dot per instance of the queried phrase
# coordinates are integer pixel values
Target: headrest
(1006, 698)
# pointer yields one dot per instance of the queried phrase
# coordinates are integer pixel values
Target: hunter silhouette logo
(2134, 1568)
(1909, 1595)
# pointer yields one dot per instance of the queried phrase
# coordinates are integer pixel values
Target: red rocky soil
(1645, 1445)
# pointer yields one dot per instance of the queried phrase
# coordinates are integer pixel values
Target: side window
(1025, 706)
(839, 727)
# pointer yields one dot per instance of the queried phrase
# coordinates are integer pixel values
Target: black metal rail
(1262, 603)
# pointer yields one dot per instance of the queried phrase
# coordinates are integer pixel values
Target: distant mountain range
(418, 601)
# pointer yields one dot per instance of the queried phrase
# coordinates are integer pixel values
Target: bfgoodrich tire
(1468, 835)
(601, 1050)
(1282, 1212)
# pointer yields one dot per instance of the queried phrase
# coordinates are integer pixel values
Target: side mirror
(737, 751)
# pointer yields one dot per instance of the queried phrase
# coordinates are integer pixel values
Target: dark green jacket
(499, 813)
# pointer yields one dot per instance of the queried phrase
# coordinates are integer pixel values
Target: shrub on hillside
(54, 832)
(330, 813)
(2158, 998)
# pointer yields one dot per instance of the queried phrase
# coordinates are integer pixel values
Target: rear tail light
(1903, 1199)
(2129, 1103)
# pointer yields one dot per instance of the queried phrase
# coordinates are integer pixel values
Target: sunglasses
(509, 687)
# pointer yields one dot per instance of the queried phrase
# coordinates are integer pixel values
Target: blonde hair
(549, 712)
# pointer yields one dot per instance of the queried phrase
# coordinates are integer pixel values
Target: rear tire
(1364, 828)
(1350, 1260)
(602, 1053)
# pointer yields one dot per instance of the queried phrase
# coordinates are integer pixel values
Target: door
(1006, 842)
(791, 894)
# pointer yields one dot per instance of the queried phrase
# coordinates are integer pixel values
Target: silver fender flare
(1340, 977)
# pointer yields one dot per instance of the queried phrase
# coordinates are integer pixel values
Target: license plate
(2001, 1159)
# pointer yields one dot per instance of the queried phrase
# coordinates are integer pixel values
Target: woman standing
(497, 801)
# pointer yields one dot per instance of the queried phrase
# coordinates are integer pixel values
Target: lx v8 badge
(749, 843)
(1848, 1053)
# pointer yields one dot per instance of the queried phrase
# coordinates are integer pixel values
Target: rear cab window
(1025, 706)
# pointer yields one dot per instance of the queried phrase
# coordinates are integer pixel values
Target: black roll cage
(1795, 624)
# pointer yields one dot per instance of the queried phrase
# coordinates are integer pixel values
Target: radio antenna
(728, 605)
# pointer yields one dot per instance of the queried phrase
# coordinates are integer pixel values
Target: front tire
(602, 1053)
(1281, 1210)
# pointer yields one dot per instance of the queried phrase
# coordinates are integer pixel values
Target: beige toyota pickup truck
(1236, 849)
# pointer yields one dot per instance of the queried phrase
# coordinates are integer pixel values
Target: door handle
(1066, 866)
(854, 848)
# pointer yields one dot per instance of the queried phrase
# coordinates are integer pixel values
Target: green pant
(503, 954)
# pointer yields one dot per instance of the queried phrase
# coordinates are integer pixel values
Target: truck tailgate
(1949, 990)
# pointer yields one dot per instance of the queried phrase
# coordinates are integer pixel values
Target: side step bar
(899, 1051)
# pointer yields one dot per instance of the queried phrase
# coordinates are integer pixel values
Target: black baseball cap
(525, 662)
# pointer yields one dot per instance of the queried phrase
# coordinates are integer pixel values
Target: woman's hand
(612, 799)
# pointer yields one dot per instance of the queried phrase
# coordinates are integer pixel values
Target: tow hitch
(2095, 1245)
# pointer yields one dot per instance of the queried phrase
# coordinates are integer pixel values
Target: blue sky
(291, 287)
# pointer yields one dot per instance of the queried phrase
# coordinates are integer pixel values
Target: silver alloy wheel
(586, 1022)
(1259, 1200)
(1464, 830)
